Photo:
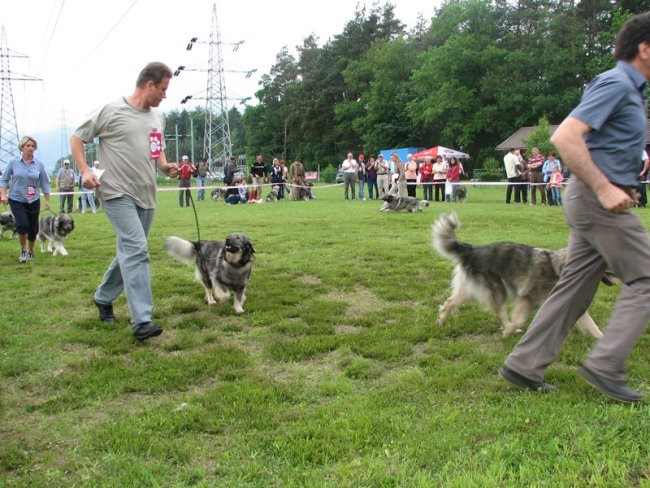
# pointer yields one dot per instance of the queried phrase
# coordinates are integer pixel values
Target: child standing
(556, 185)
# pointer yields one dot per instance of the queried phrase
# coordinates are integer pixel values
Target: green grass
(336, 375)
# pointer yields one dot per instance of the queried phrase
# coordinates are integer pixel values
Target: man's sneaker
(23, 256)
(105, 312)
(146, 330)
(30, 255)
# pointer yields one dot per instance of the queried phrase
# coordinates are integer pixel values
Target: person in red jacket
(453, 176)
(185, 172)
(426, 178)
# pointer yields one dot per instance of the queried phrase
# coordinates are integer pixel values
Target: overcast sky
(89, 52)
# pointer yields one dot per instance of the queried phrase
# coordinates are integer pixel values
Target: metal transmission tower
(217, 145)
(8, 126)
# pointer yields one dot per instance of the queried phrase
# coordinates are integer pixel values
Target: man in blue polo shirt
(600, 141)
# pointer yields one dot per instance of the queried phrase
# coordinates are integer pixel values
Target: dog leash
(196, 218)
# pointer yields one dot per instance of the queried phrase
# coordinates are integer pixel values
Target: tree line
(467, 78)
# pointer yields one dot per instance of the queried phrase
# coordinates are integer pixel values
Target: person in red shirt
(426, 178)
(535, 163)
(453, 176)
(185, 172)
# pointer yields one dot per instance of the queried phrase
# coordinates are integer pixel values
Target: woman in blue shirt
(26, 173)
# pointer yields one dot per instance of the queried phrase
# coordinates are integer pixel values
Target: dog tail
(443, 238)
(181, 250)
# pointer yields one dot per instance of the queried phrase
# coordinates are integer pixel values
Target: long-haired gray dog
(493, 273)
(395, 204)
(54, 229)
(220, 266)
(8, 222)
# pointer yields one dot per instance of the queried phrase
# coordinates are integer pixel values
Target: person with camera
(185, 172)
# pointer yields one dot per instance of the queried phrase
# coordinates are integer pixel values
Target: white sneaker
(23, 256)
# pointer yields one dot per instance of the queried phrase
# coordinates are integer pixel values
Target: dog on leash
(54, 229)
(396, 204)
(219, 266)
(218, 193)
(273, 194)
(494, 273)
(8, 223)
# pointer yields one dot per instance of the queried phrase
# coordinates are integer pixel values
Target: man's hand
(171, 170)
(89, 180)
(615, 200)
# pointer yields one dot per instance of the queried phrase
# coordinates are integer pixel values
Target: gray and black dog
(494, 273)
(8, 223)
(273, 194)
(54, 229)
(220, 266)
(396, 204)
(218, 193)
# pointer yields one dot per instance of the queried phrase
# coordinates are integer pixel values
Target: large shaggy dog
(218, 193)
(54, 229)
(8, 223)
(493, 273)
(461, 193)
(220, 266)
(395, 204)
(273, 194)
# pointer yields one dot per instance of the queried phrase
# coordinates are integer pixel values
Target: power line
(109, 32)
(56, 23)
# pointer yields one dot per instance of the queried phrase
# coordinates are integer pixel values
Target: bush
(328, 175)
(490, 176)
(492, 164)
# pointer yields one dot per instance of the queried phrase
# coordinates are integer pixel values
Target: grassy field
(335, 376)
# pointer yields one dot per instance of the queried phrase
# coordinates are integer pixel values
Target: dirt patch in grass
(309, 280)
(311, 372)
(360, 303)
(347, 329)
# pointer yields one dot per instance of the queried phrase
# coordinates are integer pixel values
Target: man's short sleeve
(601, 98)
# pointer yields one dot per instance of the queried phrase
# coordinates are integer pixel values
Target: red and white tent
(436, 151)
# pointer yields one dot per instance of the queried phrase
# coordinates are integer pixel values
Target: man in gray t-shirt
(600, 141)
(131, 146)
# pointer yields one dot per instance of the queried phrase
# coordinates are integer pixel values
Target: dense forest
(467, 78)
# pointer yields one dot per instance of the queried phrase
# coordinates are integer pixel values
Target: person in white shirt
(349, 167)
(513, 173)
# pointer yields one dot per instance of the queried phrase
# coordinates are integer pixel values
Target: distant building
(516, 140)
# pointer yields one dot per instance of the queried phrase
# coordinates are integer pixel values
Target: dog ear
(249, 246)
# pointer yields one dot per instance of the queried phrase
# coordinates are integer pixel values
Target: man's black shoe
(105, 312)
(617, 390)
(147, 330)
(522, 382)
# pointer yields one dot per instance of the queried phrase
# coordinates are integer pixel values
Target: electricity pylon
(217, 145)
(8, 126)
